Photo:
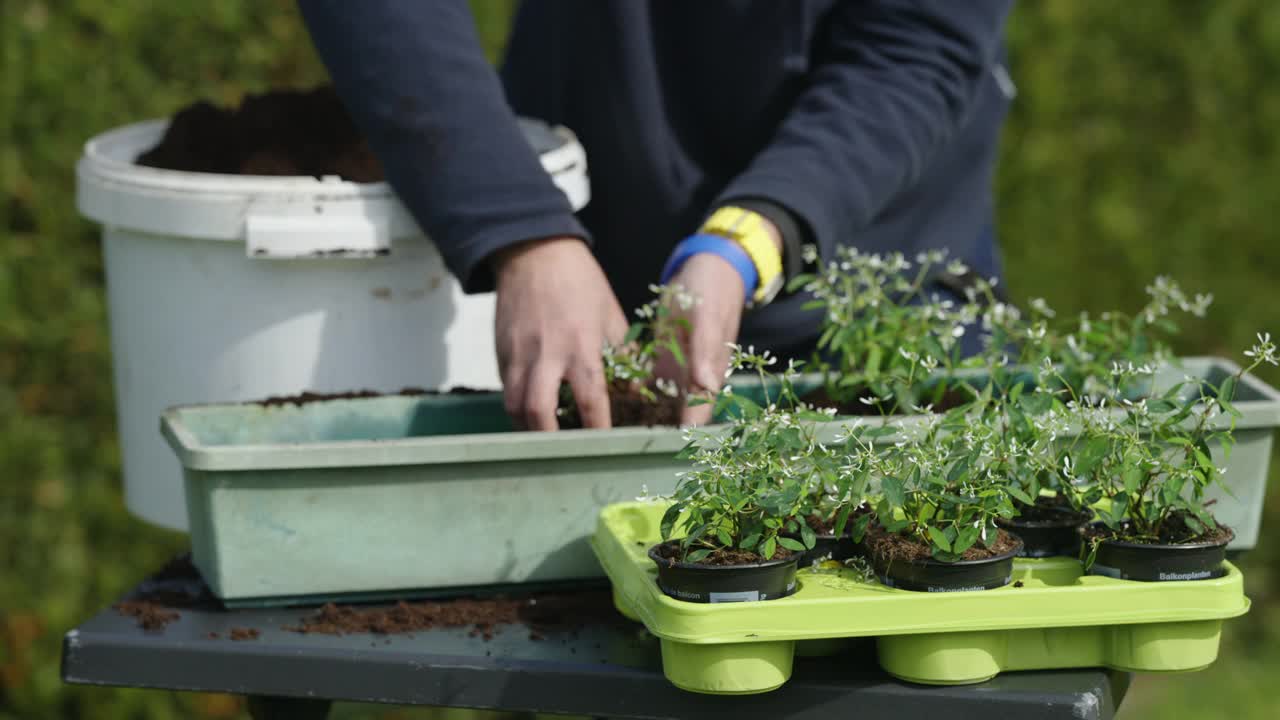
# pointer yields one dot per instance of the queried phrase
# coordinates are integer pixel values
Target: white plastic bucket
(225, 287)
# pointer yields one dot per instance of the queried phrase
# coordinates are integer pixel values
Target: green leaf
(807, 536)
(677, 352)
(859, 527)
(893, 491)
(669, 520)
(842, 519)
(965, 540)
(633, 333)
(792, 544)
(1227, 390)
(1132, 476)
(726, 540)
(896, 525)
(800, 281)
(750, 542)
(697, 555)
(770, 547)
(1204, 461)
(1036, 403)
(872, 365)
(939, 539)
(1022, 497)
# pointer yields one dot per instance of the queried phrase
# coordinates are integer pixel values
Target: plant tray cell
(1052, 616)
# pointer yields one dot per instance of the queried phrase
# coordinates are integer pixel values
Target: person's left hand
(712, 325)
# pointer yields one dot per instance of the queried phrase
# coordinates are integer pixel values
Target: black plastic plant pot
(1057, 533)
(695, 582)
(827, 547)
(1161, 563)
(960, 576)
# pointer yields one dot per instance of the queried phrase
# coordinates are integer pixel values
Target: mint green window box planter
(396, 495)
(1058, 618)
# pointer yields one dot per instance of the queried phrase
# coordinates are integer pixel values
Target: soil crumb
(540, 613)
(281, 132)
(239, 634)
(150, 615)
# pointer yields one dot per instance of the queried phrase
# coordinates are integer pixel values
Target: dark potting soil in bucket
(281, 132)
(723, 580)
(1047, 531)
(1200, 559)
(907, 565)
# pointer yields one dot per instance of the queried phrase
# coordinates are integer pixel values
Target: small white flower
(1042, 307)
(957, 267)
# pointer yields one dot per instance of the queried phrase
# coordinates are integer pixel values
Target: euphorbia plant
(943, 483)
(752, 482)
(1151, 464)
(883, 334)
(1084, 350)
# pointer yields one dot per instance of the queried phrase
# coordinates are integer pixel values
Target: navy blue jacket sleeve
(414, 78)
(893, 80)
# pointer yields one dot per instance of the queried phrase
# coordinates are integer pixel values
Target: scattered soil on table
(240, 633)
(628, 407)
(885, 546)
(308, 397)
(150, 615)
(281, 132)
(174, 587)
(820, 399)
(540, 613)
(1174, 531)
(1017, 583)
(670, 551)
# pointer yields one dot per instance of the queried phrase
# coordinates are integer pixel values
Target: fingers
(542, 394)
(586, 378)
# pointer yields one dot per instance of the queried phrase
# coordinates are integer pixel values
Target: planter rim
(1069, 518)
(1231, 534)
(664, 562)
(930, 562)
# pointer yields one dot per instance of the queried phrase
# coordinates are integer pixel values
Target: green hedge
(1143, 142)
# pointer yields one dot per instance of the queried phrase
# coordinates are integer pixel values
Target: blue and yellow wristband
(741, 237)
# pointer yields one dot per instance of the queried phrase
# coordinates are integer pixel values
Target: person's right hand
(555, 312)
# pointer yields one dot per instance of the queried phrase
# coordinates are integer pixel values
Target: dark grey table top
(607, 668)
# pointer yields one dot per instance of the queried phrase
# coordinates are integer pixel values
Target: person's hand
(712, 325)
(555, 312)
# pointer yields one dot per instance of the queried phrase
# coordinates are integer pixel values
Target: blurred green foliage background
(1143, 142)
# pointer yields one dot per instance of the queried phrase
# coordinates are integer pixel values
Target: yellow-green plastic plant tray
(1051, 616)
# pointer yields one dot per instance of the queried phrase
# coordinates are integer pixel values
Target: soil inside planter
(281, 132)
(1173, 532)
(894, 547)
(308, 397)
(628, 407)
(670, 551)
(540, 613)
